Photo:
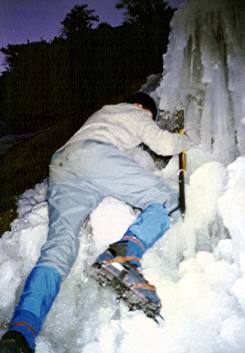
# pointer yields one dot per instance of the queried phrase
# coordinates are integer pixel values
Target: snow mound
(232, 208)
(203, 298)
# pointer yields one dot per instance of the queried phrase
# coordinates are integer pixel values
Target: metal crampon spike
(124, 289)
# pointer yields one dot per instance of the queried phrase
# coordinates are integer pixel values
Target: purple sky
(21, 20)
(176, 3)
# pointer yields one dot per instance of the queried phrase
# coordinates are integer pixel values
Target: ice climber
(92, 165)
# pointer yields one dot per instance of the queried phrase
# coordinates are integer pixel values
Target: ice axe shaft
(175, 124)
(182, 172)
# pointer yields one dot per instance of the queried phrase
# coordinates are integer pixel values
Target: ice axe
(182, 165)
(176, 124)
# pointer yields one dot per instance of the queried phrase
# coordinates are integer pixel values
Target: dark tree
(104, 25)
(11, 53)
(77, 20)
(144, 12)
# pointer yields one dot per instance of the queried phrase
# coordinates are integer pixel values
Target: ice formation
(204, 74)
(199, 265)
(203, 298)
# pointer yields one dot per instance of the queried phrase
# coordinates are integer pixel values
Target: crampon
(129, 284)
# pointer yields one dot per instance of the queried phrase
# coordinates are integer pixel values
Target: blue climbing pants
(78, 182)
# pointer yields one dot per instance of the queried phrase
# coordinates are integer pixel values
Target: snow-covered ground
(202, 293)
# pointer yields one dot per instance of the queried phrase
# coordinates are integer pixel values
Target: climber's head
(144, 101)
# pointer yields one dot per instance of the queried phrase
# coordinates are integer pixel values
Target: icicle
(203, 74)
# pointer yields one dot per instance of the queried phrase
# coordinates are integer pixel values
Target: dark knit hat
(145, 100)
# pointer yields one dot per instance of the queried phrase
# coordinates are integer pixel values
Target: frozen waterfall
(204, 74)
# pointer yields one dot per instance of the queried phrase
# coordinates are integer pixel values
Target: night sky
(22, 20)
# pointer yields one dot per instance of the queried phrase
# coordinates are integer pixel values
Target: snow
(101, 219)
(232, 208)
(203, 294)
(199, 265)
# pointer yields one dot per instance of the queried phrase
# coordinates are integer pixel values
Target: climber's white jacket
(127, 126)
